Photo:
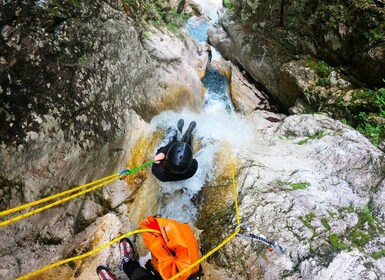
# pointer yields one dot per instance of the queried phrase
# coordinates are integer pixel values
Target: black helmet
(179, 158)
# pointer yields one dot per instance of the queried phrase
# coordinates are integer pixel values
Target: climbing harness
(271, 245)
(87, 188)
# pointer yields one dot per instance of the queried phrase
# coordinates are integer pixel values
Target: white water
(216, 126)
(210, 7)
(214, 129)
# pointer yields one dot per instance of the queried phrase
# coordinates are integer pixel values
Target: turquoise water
(198, 29)
(217, 94)
(217, 85)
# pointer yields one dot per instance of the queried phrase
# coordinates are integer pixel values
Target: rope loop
(123, 174)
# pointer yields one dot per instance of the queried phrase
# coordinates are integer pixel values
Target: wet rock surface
(314, 195)
(77, 80)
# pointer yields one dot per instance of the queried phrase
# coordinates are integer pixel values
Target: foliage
(307, 219)
(318, 135)
(325, 223)
(229, 4)
(62, 9)
(372, 124)
(146, 34)
(358, 235)
(337, 242)
(365, 17)
(299, 186)
(157, 12)
(322, 69)
(378, 254)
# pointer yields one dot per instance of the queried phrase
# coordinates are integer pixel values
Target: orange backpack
(173, 250)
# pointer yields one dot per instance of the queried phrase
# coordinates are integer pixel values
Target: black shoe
(104, 273)
(180, 125)
(127, 250)
(191, 127)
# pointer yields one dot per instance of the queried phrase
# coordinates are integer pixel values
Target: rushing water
(214, 129)
(217, 125)
(217, 94)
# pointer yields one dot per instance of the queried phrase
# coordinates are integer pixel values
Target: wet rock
(249, 36)
(306, 184)
(75, 90)
(246, 96)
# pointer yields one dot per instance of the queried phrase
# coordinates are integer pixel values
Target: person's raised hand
(159, 157)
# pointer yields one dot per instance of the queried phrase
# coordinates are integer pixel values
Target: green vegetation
(318, 135)
(229, 4)
(146, 34)
(62, 9)
(332, 214)
(307, 219)
(364, 110)
(322, 69)
(337, 242)
(325, 223)
(378, 254)
(365, 16)
(360, 234)
(299, 186)
(157, 12)
(358, 237)
(371, 124)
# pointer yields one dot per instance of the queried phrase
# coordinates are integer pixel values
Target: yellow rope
(227, 239)
(34, 273)
(21, 207)
(23, 216)
(137, 231)
(207, 255)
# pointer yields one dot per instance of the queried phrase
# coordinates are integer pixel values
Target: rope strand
(90, 187)
(36, 272)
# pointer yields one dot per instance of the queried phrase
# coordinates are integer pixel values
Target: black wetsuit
(164, 175)
(135, 272)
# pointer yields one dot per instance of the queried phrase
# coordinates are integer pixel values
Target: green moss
(322, 69)
(378, 254)
(369, 118)
(318, 135)
(366, 215)
(146, 35)
(358, 238)
(366, 229)
(350, 209)
(299, 186)
(337, 242)
(229, 4)
(325, 223)
(307, 219)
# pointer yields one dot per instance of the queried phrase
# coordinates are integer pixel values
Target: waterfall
(217, 125)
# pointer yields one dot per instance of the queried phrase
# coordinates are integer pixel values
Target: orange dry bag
(173, 250)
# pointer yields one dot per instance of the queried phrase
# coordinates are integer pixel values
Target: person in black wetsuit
(174, 160)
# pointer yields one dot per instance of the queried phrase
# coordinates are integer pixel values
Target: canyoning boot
(127, 250)
(180, 125)
(187, 137)
(191, 127)
(104, 273)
